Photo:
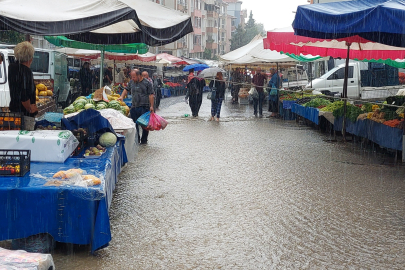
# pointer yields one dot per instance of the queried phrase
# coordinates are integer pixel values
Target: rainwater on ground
(250, 193)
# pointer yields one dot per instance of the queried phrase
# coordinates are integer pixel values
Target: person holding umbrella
(216, 102)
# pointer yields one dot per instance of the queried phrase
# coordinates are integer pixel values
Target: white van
(47, 65)
(332, 82)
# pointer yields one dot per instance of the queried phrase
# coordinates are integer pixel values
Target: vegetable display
(316, 102)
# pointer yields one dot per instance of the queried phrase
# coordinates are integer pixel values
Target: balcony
(212, 14)
(211, 45)
(197, 49)
(211, 29)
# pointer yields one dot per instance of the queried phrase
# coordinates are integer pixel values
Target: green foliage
(207, 54)
(11, 37)
(241, 36)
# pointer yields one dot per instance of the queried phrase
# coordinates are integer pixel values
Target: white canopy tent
(254, 53)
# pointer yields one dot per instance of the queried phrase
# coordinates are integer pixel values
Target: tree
(238, 38)
(251, 29)
(207, 54)
(241, 36)
(11, 37)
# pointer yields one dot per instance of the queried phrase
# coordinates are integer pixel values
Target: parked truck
(295, 78)
(365, 81)
(47, 66)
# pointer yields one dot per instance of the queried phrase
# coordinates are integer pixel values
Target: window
(340, 74)
(41, 62)
(77, 63)
(3, 70)
(70, 62)
(197, 22)
(197, 39)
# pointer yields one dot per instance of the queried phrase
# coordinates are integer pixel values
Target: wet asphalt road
(250, 193)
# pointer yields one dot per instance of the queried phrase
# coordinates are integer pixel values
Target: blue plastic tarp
(288, 103)
(90, 119)
(312, 114)
(71, 214)
(381, 21)
(383, 135)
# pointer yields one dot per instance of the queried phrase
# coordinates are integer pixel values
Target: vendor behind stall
(21, 81)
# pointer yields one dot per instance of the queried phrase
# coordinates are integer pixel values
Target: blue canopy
(196, 67)
(380, 21)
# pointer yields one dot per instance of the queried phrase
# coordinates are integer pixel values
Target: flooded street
(250, 193)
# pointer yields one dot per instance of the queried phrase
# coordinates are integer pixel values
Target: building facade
(213, 24)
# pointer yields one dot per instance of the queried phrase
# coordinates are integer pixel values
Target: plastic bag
(143, 120)
(253, 92)
(162, 121)
(156, 122)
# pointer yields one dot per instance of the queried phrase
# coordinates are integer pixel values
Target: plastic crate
(243, 101)
(11, 121)
(10, 159)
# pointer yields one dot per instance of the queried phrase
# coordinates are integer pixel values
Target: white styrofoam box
(45, 145)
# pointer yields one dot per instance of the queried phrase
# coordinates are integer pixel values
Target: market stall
(70, 212)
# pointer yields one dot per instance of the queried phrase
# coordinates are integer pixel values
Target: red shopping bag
(162, 121)
(156, 122)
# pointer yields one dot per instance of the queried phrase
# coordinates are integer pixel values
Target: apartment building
(212, 25)
(237, 14)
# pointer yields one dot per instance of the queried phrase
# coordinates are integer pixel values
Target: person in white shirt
(121, 75)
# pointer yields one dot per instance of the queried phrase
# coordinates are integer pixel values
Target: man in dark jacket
(108, 77)
(258, 81)
(85, 77)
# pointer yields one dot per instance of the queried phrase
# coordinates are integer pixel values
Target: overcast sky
(277, 14)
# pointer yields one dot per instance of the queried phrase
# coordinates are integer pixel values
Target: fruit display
(49, 127)
(80, 133)
(77, 176)
(94, 151)
(82, 103)
(108, 139)
(10, 121)
(243, 93)
(9, 169)
(304, 100)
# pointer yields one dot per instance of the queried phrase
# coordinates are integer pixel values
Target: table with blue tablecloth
(71, 214)
(383, 135)
(284, 109)
(312, 114)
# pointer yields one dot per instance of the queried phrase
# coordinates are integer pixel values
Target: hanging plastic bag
(143, 120)
(162, 121)
(156, 122)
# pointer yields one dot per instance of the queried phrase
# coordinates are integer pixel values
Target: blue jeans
(258, 101)
(135, 114)
(216, 105)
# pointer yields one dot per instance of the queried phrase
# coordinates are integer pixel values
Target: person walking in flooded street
(143, 99)
(273, 85)
(216, 102)
(258, 81)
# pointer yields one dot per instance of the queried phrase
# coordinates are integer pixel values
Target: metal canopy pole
(102, 68)
(345, 92)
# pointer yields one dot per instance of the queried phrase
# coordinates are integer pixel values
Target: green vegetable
(333, 106)
(352, 112)
(316, 102)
